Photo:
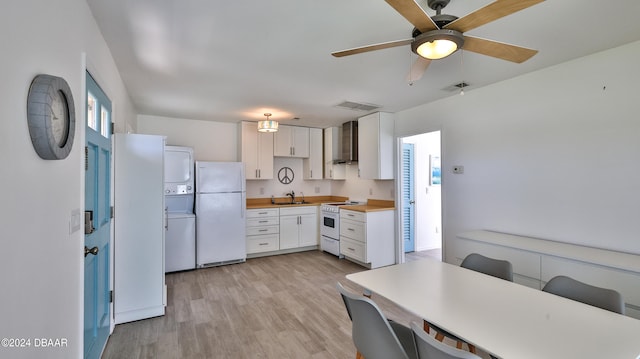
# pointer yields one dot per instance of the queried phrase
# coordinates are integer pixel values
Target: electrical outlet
(458, 169)
(317, 189)
(261, 190)
(370, 191)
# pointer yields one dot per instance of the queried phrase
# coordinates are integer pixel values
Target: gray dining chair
(570, 288)
(498, 268)
(430, 348)
(374, 336)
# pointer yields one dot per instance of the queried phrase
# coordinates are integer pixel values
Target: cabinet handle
(311, 173)
(259, 173)
(350, 215)
(263, 230)
(263, 244)
(351, 229)
(351, 249)
(330, 173)
(263, 212)
(263, 221)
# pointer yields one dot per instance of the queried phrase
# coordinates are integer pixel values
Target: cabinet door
(332, 151)
(300, 142)
(375, 146)
(312, 166)
(291, 141)
(265, 155)
(282, 142)
(249, 149)
(308, 230)
(289, 232)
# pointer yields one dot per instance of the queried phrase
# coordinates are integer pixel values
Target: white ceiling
(235, 60)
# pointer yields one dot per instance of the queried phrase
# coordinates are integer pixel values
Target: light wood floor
(431, 253)
(272, 307)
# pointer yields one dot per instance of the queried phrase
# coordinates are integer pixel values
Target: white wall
(552, 154)
(211, 141)
(267, 188)
(362, 189)
(41, 261)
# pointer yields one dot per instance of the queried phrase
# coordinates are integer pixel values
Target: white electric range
(330, 226)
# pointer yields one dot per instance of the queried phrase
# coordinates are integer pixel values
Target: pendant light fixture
(267, 125)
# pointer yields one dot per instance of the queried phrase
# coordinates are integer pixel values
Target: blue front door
(97, 298)
(408, 212)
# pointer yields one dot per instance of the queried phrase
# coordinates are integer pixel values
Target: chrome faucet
(292, 195)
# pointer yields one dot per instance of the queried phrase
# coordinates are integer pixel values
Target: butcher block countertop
(253, 203)
(373, 205)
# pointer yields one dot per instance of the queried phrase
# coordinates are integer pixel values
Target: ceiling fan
(438, 36)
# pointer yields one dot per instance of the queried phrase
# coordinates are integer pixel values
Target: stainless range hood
(349, 142)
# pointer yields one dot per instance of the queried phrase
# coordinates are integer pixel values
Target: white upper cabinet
(375, 146)
(332, 152)
(312, 166)
(291, 141)
(256, 151)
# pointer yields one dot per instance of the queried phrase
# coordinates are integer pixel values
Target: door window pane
(91, 111)
(104, 122)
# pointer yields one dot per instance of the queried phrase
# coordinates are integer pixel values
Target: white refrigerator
(220, 213)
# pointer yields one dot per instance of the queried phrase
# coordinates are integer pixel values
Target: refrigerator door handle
(166, 218)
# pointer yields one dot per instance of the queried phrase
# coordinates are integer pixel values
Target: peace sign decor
(285, 175)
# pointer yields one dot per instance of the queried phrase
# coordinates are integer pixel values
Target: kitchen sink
(290, 203)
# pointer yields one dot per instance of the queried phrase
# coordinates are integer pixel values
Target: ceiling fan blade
(384, 45)
(417, 69)
(491, 12)
(411, 11)
(499, 50)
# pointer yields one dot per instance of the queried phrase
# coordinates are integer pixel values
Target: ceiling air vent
(456, 87)
(357, 106)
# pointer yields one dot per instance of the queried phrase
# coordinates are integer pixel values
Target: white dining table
(506, 319)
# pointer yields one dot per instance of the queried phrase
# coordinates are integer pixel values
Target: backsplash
(353, 187)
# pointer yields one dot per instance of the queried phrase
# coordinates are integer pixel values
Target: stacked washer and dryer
(180, 239)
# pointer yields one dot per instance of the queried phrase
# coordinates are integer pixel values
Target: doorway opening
(421, 196)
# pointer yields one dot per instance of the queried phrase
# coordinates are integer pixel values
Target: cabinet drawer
(352, 229)
(264, 243)
(353, 215)
(353, 249)
(254, 231)
(262, 212)
(260, 222)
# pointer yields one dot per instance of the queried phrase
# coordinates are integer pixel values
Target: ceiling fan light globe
(437, 44)
(437, 49)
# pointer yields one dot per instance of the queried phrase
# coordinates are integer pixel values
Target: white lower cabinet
(263, 227)
(298, 227)
(367, 237)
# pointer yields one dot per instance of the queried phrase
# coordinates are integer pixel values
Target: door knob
(93, 251)
(412, 202)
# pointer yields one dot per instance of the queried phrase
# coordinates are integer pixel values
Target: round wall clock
(51, 117)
